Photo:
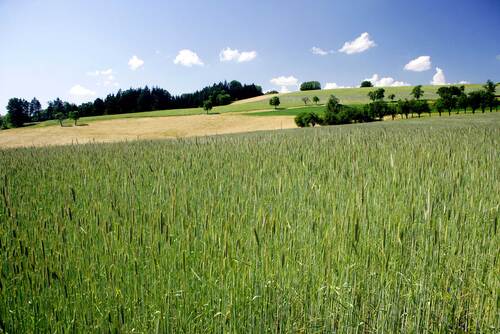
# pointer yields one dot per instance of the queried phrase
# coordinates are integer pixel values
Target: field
(346, 96)
(141, 128)
(372, 228)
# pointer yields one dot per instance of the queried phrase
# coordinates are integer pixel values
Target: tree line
(451, 98)
(20, 111)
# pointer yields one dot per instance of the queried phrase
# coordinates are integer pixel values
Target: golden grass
(141, 128)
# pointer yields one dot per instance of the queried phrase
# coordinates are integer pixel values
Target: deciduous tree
(275, 102)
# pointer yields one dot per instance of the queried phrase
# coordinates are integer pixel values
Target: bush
(271, 92)
(310, 85)
(223, 99)
(305, 119)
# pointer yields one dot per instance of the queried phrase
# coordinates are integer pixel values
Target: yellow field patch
(141, 128)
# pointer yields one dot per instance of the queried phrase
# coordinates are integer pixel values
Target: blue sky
(80, 50)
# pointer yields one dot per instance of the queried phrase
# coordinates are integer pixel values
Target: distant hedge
(310, 85)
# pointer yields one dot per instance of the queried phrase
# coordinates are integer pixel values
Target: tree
(377, 109)
(315, 99)
(306, 119)
(2, 123)
(275, 102)
(490, 87)
(485, 100)
(419, 107)
(145, 100)
(207, 106)
(74, 115)
(310, 85)
(417, 92)
(18, 112)
(333, 108)
(272, 92)
(474, 100)
(34, 109)
(392, 110)
(306, 100)
(463, 102)
(449, 96)
(377, 94)
(439, 106)
(60, 117)
(490, 98)
(404, 108)
(366, 83)
(391, 97)
(223, 99)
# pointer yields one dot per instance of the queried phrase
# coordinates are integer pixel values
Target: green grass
(346, 96)
(289, 112)
(375, 228)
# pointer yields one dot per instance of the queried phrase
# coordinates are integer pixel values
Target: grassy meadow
(289, 100)
(381, 227)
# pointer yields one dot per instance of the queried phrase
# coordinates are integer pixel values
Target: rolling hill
(288, 100)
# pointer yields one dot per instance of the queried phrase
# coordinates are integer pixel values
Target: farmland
(288, 100)
(380, 227)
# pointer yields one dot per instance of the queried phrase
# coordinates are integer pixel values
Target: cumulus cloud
(419, 64)
(319, 51)
(187, 58)
(377, 81)
(360, 44)
(110, 81)
(96, 73)
(438, 78)
(235, 55)
(135, 62)
(285, 81)
(284, 89)
(333, 85)
(106, 77)
(80, 91)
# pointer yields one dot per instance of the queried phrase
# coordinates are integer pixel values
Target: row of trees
(450, 98)
(21, 111)
(454, 98)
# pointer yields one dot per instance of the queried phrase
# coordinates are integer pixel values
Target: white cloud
(333, 85)
(96, 73)
(463, 82)
(110, 81)
(284, 89)
(187, 58)
(319, 51)
(80, 91)
(247, 56)
(229, 54)
(419, 64)
(106, 77)
(134, 63)
(285, 81)
(386, 81)
(438, 78)
(498, 57)
(360, 44)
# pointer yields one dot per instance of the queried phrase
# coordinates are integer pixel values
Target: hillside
(346, 96)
